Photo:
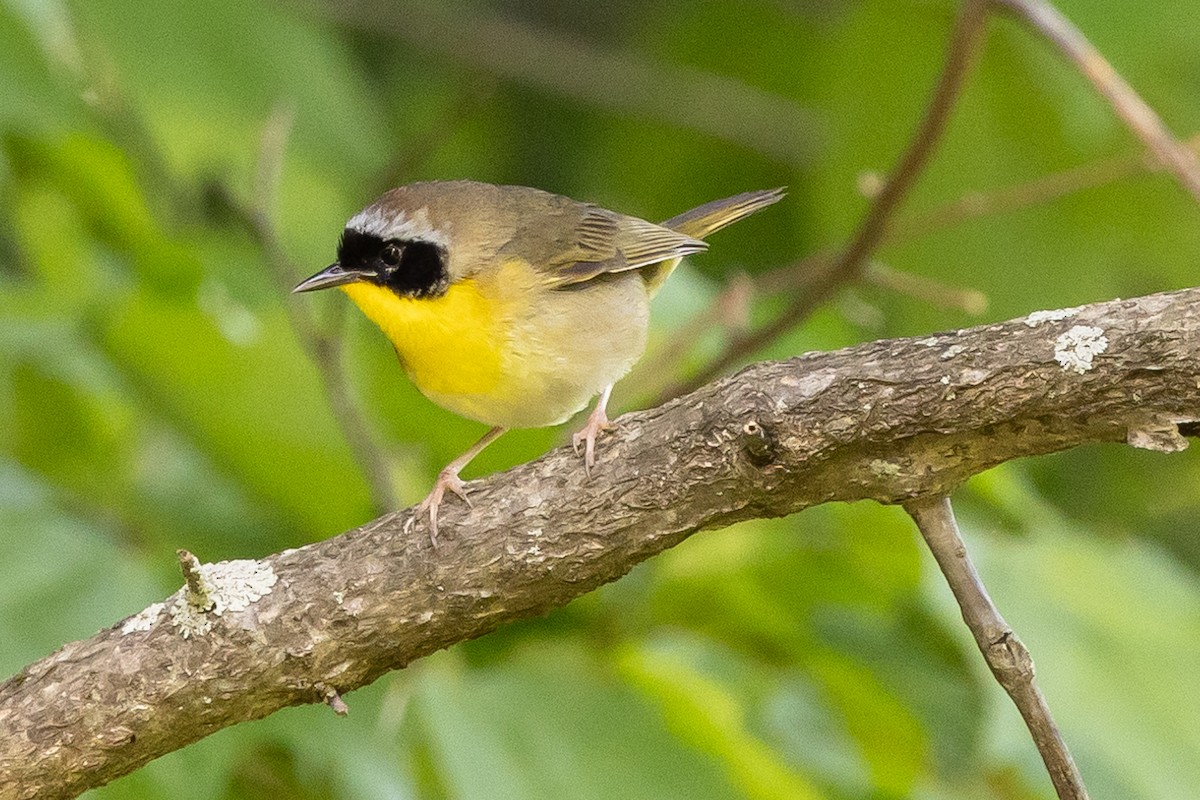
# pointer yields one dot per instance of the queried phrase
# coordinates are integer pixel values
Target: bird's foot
(597, 423)
(447, 480)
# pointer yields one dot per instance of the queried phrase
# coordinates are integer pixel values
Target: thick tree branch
(1005, 654)
(892, 420)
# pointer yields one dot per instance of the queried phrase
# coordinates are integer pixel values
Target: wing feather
(608, 242)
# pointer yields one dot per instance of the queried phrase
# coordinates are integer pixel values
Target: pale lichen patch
(810, 384)
(143, 620)
(1077, 348)
(229, 586)
(189, 619)
(884, 469)
(1053, 315)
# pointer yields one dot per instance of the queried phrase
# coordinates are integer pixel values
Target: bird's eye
(391, 254)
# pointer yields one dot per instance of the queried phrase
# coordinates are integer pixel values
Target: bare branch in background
(927, 290)
(848, 265)
(1039, 191)
(323, 349)
(970, 206)
(1005, 654)
(814, 279)
(728, 312)
(1049, 22)
(894, 421)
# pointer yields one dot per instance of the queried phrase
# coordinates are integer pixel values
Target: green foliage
(153, 393)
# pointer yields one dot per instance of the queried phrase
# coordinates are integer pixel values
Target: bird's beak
(333, 275)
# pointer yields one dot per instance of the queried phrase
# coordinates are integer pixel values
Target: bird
(510, 305)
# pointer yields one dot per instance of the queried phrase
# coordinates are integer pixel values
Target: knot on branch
(1157, 432)
(1009, 660)
(757, 443)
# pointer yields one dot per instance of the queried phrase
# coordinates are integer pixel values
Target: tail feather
(712, 217)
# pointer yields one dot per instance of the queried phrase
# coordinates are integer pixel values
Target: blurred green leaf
(551, 723)
(1093, 613)
(271, 771)
(268, 424)
(705, 715)
(34, 97)
(63, 575)
(105, 200)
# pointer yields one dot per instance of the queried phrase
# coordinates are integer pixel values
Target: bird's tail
(711, 217)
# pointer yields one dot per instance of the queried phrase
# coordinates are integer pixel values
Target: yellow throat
(447, 344)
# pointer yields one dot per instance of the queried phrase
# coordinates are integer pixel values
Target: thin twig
(729, 312)
(973, 205)
(811, 275)
(848, 264)
(323, 349)
(1036, 192)
(1006, 656)
(970, 301)
(1049, 22)
(199, 590)
(979, 204)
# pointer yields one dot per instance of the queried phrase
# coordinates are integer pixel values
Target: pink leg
(596, 423)
(448, 480)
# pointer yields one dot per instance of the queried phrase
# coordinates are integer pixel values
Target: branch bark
(892, 421)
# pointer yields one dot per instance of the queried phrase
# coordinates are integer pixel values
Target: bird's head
(393, 243)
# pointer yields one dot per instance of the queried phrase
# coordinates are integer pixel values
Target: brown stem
(973, 205)
(970, 301)
(1004, 653)
(1039, 191)
(1049, 22)
(849, 264)
(814, 279)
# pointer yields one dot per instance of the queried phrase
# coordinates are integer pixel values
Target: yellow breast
(449, 345)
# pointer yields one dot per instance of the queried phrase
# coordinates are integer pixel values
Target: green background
(154, 396)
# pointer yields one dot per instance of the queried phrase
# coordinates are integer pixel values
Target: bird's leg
(596, 423)
(448, 480)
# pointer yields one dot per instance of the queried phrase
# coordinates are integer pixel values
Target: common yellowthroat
(510, 305)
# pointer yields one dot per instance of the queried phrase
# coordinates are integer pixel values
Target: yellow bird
(510, 305)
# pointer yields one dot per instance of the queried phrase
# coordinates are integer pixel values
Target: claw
(597, 423)
(447, 480)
